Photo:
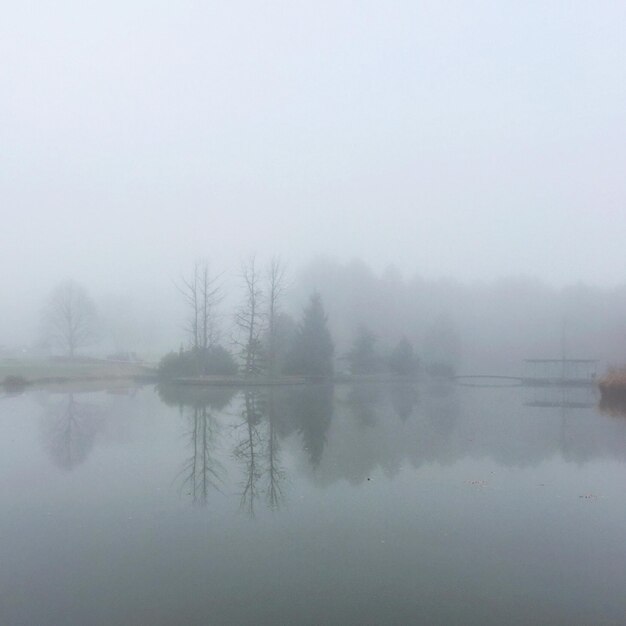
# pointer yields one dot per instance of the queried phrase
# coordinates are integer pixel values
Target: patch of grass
(38, 369)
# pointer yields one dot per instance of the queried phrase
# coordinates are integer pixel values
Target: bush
(14, 383)
(312, 349)
(215, 361)
(362, 356)
(402, 360)
(213, 397)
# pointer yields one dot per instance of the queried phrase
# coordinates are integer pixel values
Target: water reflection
(269, 416)
(264, 415)
(250, 427)
(202, 470)
(311, 412)
(407, 500)
(249, 442)
(343, 432)
(276, 473)
(564, 397)
(404, 399)
(249, 447)
(196, 396)
(69, 428)
(363, 401)
(612, 405)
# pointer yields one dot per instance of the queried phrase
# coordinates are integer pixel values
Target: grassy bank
(261, 381)
(241, 381)
(44, 371)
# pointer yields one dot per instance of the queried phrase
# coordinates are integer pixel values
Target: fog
(471, 141)
(275, 279)
(173, 505)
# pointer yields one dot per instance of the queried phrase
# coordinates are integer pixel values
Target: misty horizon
(498, 323)
(449, 140)
(312, 313)
(456, 142)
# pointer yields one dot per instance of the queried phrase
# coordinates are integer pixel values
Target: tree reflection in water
(202, 470)
(249, 448)
(257, 434)
(269, 415)
(363, 401)
(404, 398)
(69, 430)
(258, 449)
(311, 409)
(275, 472)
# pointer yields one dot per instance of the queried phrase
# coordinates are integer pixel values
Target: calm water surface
(376, 504)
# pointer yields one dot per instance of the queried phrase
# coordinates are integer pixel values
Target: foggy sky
(471, 139)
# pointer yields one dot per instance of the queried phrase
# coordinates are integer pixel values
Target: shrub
(402, 360)
(14, 383)
(215, 361)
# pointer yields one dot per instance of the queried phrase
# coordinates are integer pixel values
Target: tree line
(264, 340)
(258, 338)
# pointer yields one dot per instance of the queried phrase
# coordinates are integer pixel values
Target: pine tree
(362, 356)
(402, 360)
(312, 350)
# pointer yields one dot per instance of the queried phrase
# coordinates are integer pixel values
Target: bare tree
(70, 429)
(250, 319)
(258, 449)
(69, 317)
(275, 473)
(202, 471)
(249, 450)
(202, 293)
(276, 284)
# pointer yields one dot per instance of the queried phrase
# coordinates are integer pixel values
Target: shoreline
(16, 383)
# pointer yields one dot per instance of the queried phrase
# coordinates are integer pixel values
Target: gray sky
(463, 138)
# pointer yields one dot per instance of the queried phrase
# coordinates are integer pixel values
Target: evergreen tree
(362, 356)
(312, 350)
(403, 360)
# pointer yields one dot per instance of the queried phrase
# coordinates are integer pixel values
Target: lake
(362, 504)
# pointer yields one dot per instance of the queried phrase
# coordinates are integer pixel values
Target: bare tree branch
(250, 319)
(276, 281)
(69, 317)
(202, 292)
